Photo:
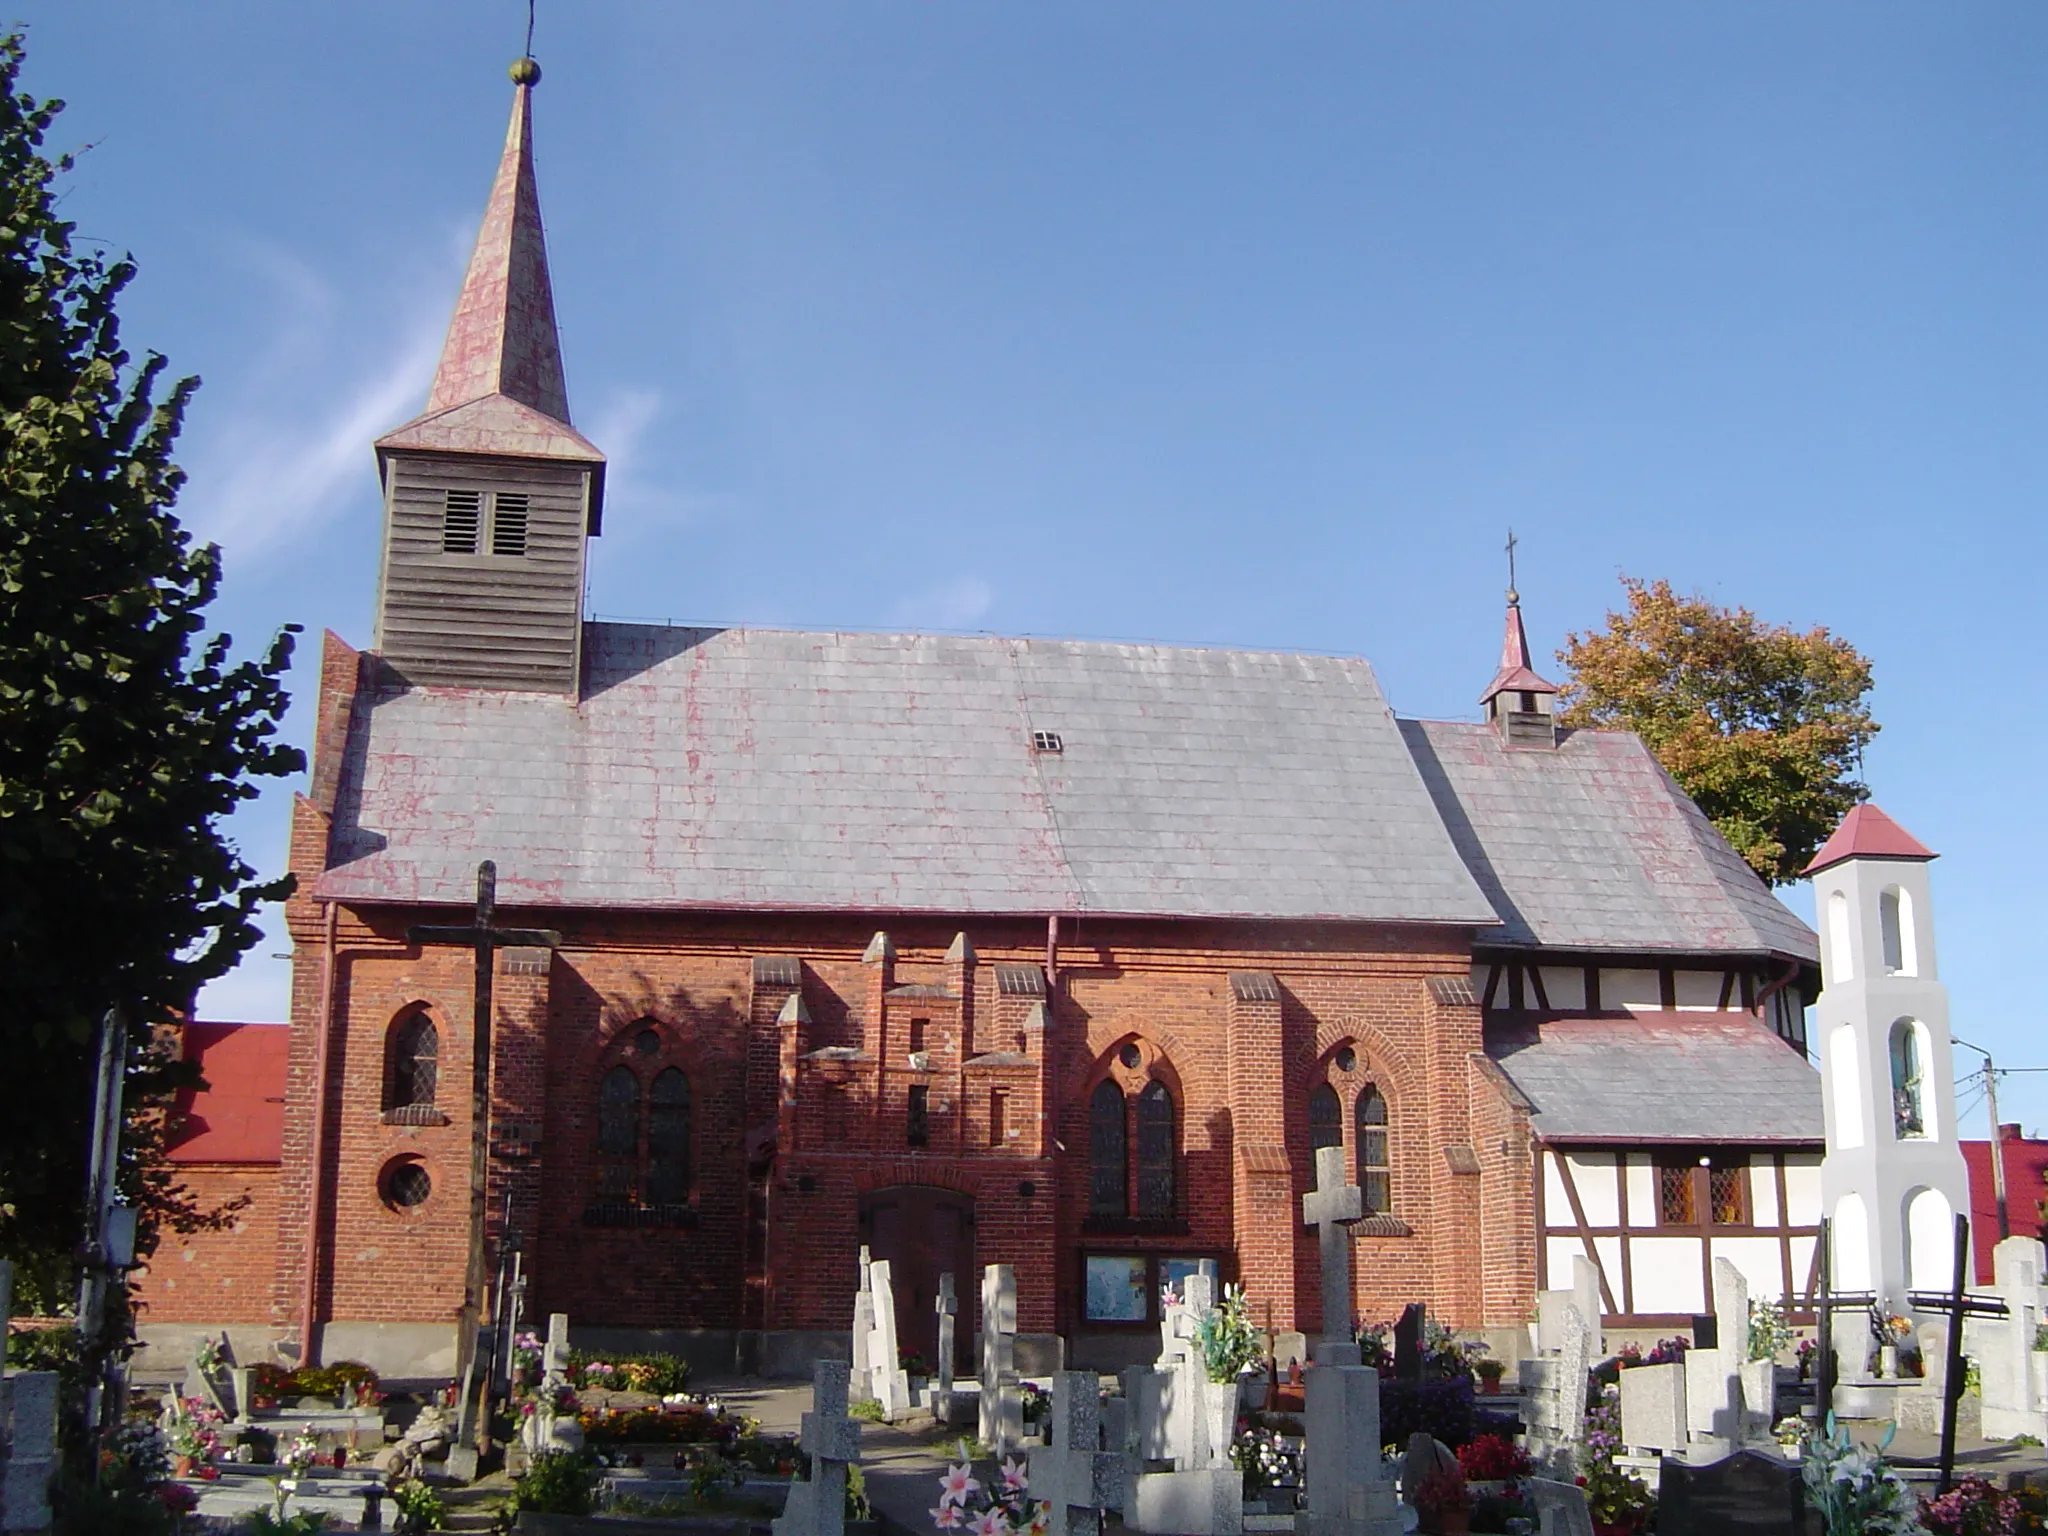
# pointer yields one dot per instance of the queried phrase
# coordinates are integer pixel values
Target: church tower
(1893, 1178)
(490, 494)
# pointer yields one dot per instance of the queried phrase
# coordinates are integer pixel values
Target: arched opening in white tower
(1910, 1119)
(1895, 927)
(1930, 1240)
(1840, 966)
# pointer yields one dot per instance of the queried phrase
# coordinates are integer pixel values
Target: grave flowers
(191, 1429)
(1440, 1499)
(1003, 1508)
(1268, 1459)
(1228, 1339)
(1973, 1507)
(1854, 1490)
(1493, 1459)
(1618, 1504)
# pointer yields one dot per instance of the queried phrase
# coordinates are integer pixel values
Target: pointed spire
(502, 340)
(499, 388)
(1515, 671)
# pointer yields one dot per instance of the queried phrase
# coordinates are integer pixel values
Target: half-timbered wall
(459, 608)
(1539, 985)
(1654, 1222)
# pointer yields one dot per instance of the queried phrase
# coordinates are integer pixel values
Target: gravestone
(1713, 1376)
(240, 1380)
(1347, 1492)
(817, 1504)
(947, 1305)
(554, 1359)
(1751, 1493)
(1001, 1407)
(1561, 1508)
(543, 1429)
(1075, 1475)
(1554, 1384)
(1408, 1343)
(1183, 1431)
(886, 1376)
(1653, 1409)
(1185, 1420)
(863, 1331)
(28, 1441)
(2013, 1372)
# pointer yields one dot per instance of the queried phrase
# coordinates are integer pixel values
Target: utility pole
(1997, 1150)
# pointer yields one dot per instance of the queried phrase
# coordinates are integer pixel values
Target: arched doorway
(924, 1233)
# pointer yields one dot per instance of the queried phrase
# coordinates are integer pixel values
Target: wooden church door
(924, 1233)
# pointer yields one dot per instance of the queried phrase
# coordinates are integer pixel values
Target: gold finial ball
(526, 72)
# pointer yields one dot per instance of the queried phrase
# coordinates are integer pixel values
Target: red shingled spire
(502, 340)
(1515, 671)
(1867, 833)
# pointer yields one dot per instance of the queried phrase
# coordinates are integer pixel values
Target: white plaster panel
(1700, 989)
(1557, 1205)
(1609, 1249)
(1565, 986)
(1480, 972)
(1757, 1258)
(1844, 1088)
(1631, 989)
(1666, 1271)
(1763, 1190)
(1594, 1175)
(1850, 1232)
(1558, 1254)
(1930, 1241)
(1802, 1189)
(1802, 1262)
(1642, 1190)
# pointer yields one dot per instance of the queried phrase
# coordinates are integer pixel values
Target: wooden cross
(1958, 1303)
(484, 937)
(1825, 1301)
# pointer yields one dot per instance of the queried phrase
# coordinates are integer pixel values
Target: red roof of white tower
(1867, 833)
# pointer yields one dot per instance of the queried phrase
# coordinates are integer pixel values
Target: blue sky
(1248, 323)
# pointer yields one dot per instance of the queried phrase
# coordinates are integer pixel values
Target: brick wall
(217, 1277)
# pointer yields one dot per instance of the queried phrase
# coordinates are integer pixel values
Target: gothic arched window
(1375, 1171)
(668, 1138)
(1157, 1148)
(1325, 1121)
(1108, 1152)
(413, 1064)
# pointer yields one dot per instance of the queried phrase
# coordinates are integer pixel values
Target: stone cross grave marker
(817, 1505)
(208, 1390)
(886, 1376)
(2015, 1391)
(554, 1358)
(1653, 1409)
(1331, 1208)
(1554, 1384)
(1001, 1408)
(864, 1330)
(1348, 1493)
(1408, 1343)
(1182, 1432)
(1074, 1475)
(947, 1305)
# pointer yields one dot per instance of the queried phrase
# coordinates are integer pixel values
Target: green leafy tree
(1763, 726)
(126, 733)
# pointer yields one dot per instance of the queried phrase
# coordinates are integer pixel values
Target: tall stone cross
(1001, 1408)
(484, 937)
(1331, 1207)
(1074, 1474)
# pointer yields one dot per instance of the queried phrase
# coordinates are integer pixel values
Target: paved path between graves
(902, 1464)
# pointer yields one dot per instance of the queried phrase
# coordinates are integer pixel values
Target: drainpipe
(323, 1029)
(1052, 954)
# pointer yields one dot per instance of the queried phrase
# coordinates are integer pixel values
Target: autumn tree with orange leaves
(1762, 725)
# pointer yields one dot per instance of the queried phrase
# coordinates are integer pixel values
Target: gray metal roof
(1593, 847)
(1662, 1077)
(787, 770)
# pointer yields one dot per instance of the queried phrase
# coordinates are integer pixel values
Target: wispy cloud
(288, 447)
(952, 604)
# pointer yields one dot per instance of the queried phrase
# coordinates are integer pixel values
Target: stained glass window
(1157, 1146)
(1108, 1161)
(1325, 1119)
(668, 1138)
(1375, 1172)
(415, 1063)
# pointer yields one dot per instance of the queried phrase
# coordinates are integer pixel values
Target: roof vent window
(1046, 741)
(508, 525)
(461, 514)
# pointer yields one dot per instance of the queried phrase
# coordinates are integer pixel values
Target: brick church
(1059, 954)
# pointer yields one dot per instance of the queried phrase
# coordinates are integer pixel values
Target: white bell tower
(1893, 1178)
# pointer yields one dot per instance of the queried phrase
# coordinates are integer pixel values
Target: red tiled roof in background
(1867, 833)
(2026, 1186)
(239, 1116)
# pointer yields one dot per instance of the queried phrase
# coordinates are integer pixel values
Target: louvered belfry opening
(508, 524)
(461, 522)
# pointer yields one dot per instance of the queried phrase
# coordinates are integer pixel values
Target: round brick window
(647, 1043)
(405, 1183)
(1130, 1056)
(1346, 1059)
